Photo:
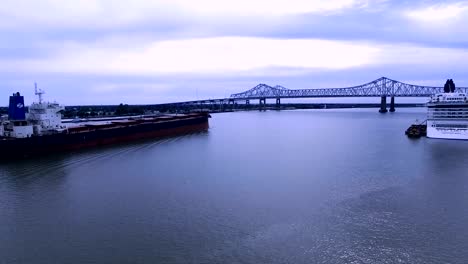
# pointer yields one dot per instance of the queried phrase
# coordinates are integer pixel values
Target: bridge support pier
(383, 104)
(223, 105)
(392, 104)
(262, 103)
(278, 102)
(231, 104)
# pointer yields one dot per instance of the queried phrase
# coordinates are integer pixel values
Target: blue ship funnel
(16, 110)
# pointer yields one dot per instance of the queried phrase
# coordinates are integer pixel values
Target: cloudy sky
(143, 51)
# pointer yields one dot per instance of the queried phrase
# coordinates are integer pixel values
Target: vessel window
(451, 126)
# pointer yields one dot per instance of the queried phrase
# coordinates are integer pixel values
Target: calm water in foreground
(323, 186)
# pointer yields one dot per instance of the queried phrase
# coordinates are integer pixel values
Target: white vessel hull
(447, 129)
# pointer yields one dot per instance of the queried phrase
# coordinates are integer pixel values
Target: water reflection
(21, 173)
(342, 186)
(444, 155)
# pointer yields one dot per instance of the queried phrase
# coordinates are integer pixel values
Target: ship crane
(39, 92)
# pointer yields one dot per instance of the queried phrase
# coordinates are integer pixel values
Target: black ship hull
(100, 136)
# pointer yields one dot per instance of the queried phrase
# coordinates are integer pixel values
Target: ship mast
(39, 92)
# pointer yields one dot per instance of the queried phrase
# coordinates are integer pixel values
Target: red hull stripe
(138, 136)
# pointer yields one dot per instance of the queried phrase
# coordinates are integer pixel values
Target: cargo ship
(40, 130)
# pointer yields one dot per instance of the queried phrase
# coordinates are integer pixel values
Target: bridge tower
(392, 104)
(231, 104)
(383, 104)
(262, 103)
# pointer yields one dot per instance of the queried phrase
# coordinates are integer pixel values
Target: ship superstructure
(448, 114)
(42, 118)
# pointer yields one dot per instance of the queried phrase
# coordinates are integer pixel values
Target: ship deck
(110, 123)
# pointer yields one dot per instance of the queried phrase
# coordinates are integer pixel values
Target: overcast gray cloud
(107, 52)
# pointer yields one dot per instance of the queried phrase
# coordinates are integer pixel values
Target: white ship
(448, 115)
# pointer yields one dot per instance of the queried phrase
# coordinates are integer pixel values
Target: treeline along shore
(127, 110)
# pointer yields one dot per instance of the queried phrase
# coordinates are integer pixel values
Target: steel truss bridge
(378, 88)
(382, 87)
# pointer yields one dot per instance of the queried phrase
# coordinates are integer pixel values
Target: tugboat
(40, 130)
(417, 130)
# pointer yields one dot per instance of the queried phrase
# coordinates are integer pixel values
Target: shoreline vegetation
(131, 110)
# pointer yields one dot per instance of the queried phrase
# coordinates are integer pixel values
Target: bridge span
(382, 87)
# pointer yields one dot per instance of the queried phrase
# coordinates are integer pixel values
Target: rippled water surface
(323, 186)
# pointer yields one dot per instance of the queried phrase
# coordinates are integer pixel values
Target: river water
(317, 186)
